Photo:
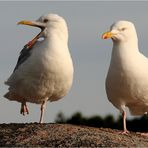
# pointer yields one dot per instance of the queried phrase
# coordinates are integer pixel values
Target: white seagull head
(121, 31)
(47, 23)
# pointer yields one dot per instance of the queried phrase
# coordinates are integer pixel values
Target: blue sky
(91, 55)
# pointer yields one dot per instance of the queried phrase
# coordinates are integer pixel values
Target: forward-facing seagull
(44, 70)
(127, 79)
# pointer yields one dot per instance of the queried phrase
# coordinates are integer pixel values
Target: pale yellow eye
(122, 29)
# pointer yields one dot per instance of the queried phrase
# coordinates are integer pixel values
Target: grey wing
(24, 55)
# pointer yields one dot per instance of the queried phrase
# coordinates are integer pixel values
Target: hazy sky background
(91, 55)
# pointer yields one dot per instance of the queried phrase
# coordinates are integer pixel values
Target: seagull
(44, 70)
(127, 78)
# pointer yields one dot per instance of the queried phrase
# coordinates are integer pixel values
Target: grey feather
(24, 55)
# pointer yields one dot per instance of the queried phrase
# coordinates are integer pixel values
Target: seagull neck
(125, 47)
(55, 41)
(124, 52)
(57, 33)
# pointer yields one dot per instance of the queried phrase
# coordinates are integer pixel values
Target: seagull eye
(122, 29)
(45, 20)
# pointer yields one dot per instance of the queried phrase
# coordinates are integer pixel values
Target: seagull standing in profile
(44, 71)
(127, 79)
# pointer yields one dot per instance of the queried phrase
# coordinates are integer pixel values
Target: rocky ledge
(66, 135)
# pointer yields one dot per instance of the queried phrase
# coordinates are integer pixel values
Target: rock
(66, 135)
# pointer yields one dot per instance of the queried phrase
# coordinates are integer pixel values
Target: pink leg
(124, 123)
(24, 109)
(43, 105)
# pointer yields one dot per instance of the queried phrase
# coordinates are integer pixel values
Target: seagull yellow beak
(34, 24)
(107, 35)
(24, 22)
